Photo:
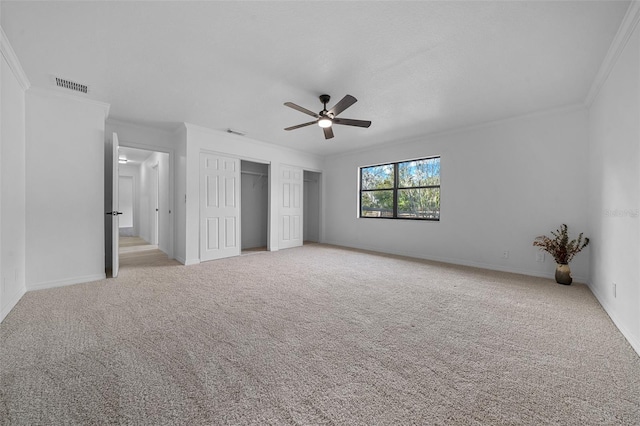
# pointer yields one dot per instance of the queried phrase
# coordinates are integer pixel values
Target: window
(404, 190)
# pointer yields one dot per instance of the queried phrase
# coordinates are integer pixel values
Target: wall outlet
(505, 254)
(613, 287)
(540, 257)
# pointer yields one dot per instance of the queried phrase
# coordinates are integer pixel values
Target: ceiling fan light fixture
(328, 117)
(324, 122)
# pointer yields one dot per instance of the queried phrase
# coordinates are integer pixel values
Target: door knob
(114, 213)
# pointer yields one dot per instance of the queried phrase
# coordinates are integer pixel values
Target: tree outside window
(403, 190)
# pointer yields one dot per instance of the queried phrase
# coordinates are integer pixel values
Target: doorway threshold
(253, 250)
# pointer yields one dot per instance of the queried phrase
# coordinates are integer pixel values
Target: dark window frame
(396, 188)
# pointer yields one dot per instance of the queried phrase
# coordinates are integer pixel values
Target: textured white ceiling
(415, 67)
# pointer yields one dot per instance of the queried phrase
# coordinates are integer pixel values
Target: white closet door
(291, 209)
(219, 207)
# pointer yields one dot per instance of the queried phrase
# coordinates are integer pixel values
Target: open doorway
(144, 201)
(311, 212)
(254, 206)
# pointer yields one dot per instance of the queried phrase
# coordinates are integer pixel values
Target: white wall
(142, 137)
(614, 188)
(64, 197)
(13, 84)
(198, 139)
(254, 205)
(144, 204)
(125, 200)
(132, 171)
(180, 229)
(147, 200)
(503, 184)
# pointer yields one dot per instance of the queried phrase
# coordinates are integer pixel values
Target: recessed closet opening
(254, 206)
(311, 218)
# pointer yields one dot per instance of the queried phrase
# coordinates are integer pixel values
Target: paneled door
(219, 207)
(291, 209)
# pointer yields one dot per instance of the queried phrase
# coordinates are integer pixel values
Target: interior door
(291, 209)
(219, 207)
(115, 205)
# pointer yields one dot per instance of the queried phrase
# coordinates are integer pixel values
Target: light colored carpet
(315, 335)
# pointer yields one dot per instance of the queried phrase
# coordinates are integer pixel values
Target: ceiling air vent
(60, 82)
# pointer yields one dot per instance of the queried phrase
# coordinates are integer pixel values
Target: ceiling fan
(327, 118)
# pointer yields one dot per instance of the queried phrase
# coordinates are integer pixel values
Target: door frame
(170, 190)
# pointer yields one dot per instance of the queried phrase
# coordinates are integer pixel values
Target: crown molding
(628, 25)
(39, 91)
(9, 55)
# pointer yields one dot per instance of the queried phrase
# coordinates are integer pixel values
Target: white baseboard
(13, 301)
(633, 340)
(186, 262)
(66, 281)
(456, 261)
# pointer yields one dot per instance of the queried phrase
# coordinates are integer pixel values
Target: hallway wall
(133, 171)
(146, 200)
(64, 208)
(13, 84)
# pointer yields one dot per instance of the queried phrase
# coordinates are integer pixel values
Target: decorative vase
(563, 274)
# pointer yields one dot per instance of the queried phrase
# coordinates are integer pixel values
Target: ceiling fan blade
(301, 125)
(344, 103)
(301, 109)
(328, 132)
(350, 122)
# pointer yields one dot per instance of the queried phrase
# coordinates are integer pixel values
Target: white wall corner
(66, 282)
(11, 303)
(628, 25)
(10, 56)
(633, 340)
(39, 91)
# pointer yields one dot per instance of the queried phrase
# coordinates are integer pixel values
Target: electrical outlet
(505, 254)
(540, 257)
(613, 285)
